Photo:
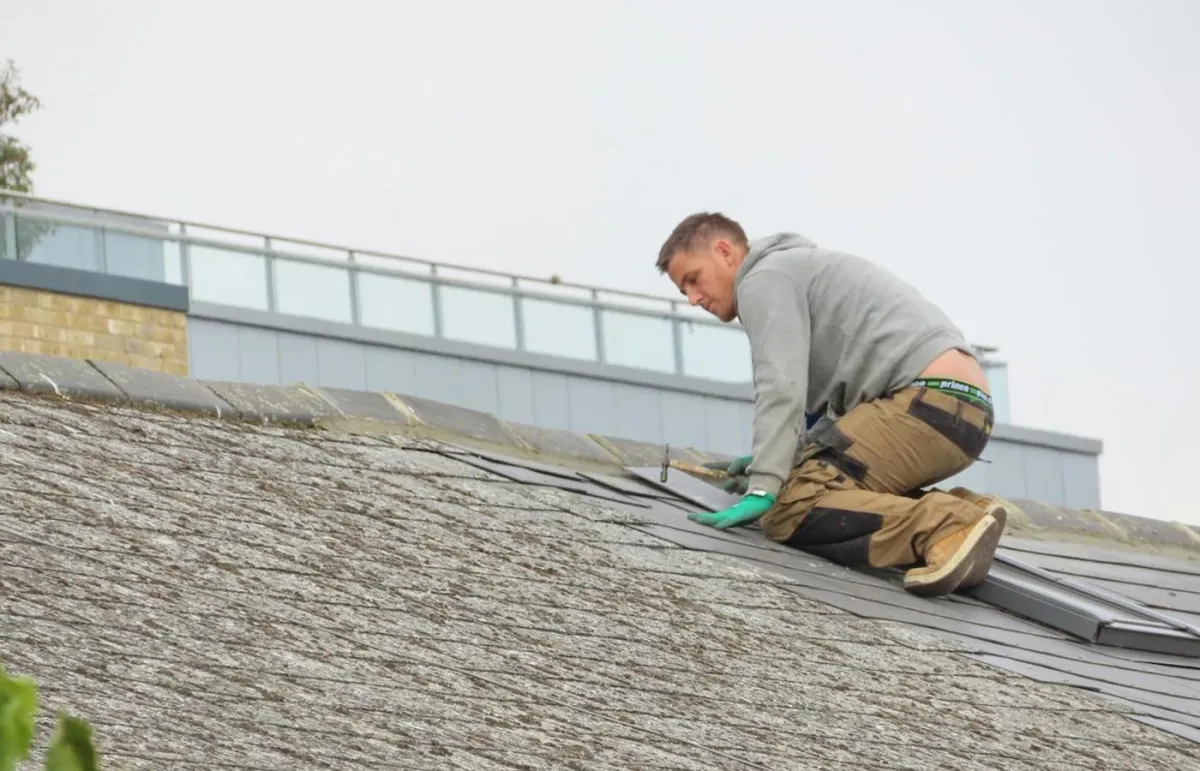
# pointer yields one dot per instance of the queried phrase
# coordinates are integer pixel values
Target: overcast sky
(1033, 167)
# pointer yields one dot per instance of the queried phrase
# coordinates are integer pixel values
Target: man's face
(705, 276)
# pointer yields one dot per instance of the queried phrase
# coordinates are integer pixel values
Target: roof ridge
(386, 412)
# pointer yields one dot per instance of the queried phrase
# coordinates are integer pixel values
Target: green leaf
(71, 748)
(18, 707)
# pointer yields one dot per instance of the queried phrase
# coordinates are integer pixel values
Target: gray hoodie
(827, 332)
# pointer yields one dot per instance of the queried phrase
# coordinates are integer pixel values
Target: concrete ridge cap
(385, 412)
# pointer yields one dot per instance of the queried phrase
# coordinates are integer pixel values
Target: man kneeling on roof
(903, 404)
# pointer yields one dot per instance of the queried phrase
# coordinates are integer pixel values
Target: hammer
(691, 468)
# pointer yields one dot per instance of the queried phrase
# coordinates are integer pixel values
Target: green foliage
(16, 165)
(18, 706)
(71, 747)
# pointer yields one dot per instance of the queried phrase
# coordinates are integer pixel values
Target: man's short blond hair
(696, 230)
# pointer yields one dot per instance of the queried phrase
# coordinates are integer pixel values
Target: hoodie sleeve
(775, 315)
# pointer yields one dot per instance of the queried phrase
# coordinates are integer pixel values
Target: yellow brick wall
(36, 321)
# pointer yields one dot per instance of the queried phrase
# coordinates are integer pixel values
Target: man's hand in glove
(736, 469)
(745, 511)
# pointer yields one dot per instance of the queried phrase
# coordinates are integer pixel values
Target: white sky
(1033, 167)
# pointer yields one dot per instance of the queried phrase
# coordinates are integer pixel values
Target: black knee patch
(838, 535)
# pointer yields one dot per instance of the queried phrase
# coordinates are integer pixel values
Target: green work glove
(736, 469)
(745, 511)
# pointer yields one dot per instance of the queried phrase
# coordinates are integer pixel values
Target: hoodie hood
(761, 247)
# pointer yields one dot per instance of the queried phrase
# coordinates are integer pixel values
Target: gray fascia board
(101, 286)
(441, 346)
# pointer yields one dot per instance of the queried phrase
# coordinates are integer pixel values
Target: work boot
(961, 556)
(995, 507)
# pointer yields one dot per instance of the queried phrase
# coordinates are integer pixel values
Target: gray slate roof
(212, 593)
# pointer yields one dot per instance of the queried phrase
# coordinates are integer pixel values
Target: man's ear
(724, 250)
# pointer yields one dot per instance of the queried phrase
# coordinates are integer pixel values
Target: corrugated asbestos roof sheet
(212, 593)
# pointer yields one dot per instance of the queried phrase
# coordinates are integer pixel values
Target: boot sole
(983, 538)
(986, 551)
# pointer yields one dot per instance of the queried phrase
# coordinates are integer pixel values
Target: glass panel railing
(395, 303)
(65, 246)
(8, 237)
(316, 291)
(227, 277)
(634, 340)
(134, 257)
(559, 329)
(478, 316)
(716, 353)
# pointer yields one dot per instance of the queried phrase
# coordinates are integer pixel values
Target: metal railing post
(435, 289)
(598, 318)
(677, 338)
(185, 259)
(518, 315)
(355, 308)
(101, 247)
(269, 264)
(10, 236)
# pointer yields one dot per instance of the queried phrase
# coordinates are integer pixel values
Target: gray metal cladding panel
(639, 414)
(479, 389)
(389, 370)
(746, 416)
(298, 362)
(258, 356)
(437, 377)
(974, 477)
(551, 400)
(593, 406)
(1081, 481)
(514, 392)
(342, 364)
(213, 352)
(685, 420)
(1006, 469)
(1043, 474)
(725, 425)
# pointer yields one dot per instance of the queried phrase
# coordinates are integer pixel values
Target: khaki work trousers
(854, 498)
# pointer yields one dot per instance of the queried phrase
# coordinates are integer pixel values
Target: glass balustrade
(635, 340)
(63, 246)
(134, 257)
(716, 353)
(559, 329)
(478, 316)
(396, 304)
(226, 277)
(316, 291)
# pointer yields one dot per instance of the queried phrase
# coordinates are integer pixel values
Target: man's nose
(693, 297)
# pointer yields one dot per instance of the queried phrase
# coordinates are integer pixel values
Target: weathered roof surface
(1158, 689)
(216, 594)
